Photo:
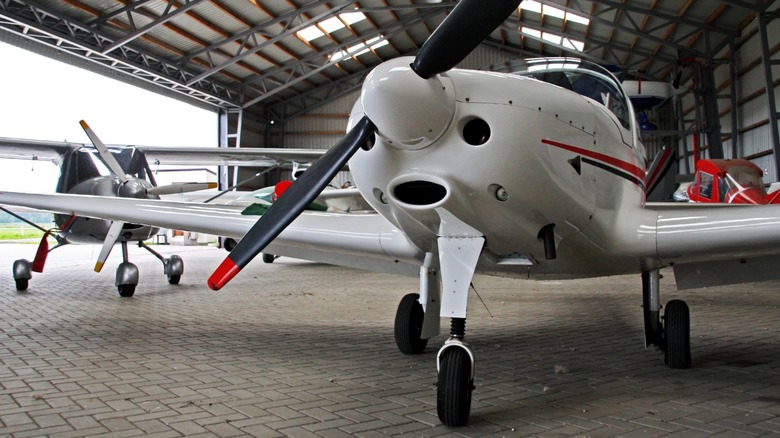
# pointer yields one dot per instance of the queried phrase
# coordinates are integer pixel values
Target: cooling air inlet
(416, 192)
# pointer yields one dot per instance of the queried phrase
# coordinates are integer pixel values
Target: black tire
(174, 279)
(677, 332)
(453, 393)
(22, 283)
(408, 325)
(268, 258)
(126, 290)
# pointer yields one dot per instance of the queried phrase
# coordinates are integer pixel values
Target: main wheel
(408, 325)
(677, 331)
(453, 393)
(126, 290)
(174, 279)
(22, 283)
(268, 258)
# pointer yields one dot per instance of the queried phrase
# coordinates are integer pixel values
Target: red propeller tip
(224, 273)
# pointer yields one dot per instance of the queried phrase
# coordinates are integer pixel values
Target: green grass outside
(21, 231)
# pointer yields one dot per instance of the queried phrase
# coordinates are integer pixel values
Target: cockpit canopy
(582, 77)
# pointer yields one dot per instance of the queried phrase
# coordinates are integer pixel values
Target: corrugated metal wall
(754, 140)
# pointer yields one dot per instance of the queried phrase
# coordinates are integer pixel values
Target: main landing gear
(126, 273)
(674, 336)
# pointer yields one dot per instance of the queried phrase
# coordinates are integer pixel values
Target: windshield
(582, 77)
(738, 179)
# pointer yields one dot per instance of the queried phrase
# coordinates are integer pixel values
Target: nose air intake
(420, 193)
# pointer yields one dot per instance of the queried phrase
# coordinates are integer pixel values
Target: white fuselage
(559, 157)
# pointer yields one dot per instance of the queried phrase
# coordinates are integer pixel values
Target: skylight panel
(553, 38)
(330, 25)
(359, 49)
(531, 32)
(310, 33)
(531, 5)
(577, 19)
(573, 44)
(352, 17)
(552, 11)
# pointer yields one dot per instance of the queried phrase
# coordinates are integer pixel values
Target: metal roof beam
(636, 30)
(625, 7)
(244, 35)
(311, 61)
(51, 29)
(757, 6)
(243, 54)
(166, 16)
(99, 21)
(315, 98)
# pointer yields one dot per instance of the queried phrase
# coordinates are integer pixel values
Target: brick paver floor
(302, 349)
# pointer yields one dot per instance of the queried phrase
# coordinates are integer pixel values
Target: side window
(705, 185)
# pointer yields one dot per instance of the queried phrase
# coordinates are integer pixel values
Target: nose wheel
(455, 385)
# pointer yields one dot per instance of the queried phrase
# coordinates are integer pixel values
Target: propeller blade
(108, 244)
(180, 188)
(111, 162)
(295, 200)
(461, 32)
(43, 251)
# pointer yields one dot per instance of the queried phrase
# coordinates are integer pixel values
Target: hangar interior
(315, 358)
(286, 73)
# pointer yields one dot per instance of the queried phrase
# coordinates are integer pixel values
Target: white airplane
(534, 173)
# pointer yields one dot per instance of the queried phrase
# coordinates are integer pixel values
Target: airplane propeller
(470, 22)
(115, 230)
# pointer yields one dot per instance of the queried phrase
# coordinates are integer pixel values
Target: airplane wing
(718, 244)
(18, 148)
(358, 240)
(256, 157)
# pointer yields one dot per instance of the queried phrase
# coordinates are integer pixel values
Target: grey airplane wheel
(408, 325)
(21, 284)
(677, 330)
(126, 290)
(174, 279)
(268, 258)
(453, 394)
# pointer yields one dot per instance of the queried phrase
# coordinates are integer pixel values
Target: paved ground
(302, 349)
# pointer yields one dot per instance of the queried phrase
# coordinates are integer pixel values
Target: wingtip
(223, 274)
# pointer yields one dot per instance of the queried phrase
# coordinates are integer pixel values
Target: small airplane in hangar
(534, 173)
(121, 171)
(734, 181)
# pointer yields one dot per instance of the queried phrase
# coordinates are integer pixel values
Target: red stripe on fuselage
(612, 161)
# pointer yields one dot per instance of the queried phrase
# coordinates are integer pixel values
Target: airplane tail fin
(660, 166)
(43, 251)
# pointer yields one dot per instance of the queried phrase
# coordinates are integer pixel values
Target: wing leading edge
(364, 241)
